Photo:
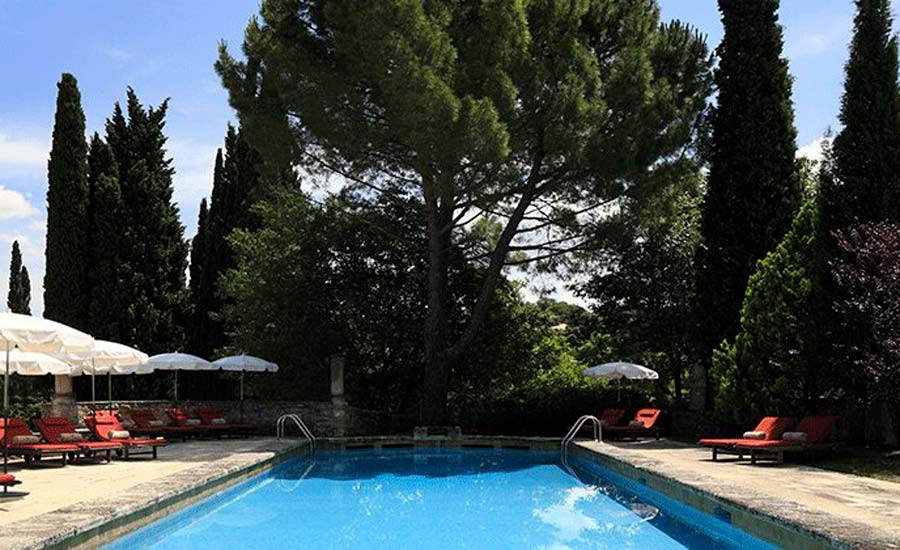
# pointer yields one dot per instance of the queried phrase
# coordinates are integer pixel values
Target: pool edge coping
(821, 528)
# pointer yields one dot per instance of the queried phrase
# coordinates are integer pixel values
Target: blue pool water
(439, 498)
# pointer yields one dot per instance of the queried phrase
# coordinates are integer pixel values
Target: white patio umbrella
(619, 370)
(111, 358)
(244, 364)
(34, 334)
(179, 361)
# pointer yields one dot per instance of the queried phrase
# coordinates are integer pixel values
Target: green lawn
(877, 463)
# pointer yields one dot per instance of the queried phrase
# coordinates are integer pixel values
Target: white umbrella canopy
(27, 363)
(35, 334)
(111, 358)
(179, 361)
(105, 356)
(619, 370)
(41, 335)
(245, 363)
(242, 364)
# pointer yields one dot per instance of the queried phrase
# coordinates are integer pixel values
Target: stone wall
(324, 419)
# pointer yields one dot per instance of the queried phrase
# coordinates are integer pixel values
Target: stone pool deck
(853, 511)
(73, 501)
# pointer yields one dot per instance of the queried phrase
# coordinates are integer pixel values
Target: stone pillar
(337, 381)
(338, 401)
(63, 402)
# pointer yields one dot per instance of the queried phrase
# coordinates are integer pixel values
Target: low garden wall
(324, 418)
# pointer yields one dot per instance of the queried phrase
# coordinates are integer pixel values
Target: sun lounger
(32, 451)
(106, 427)
(147, 424)
(770, 427)
(211, 419)
(647, 418)
(55, 429)
(815, 429)
(612, 417)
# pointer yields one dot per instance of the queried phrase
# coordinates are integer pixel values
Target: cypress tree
(867, 150)
(19, 296)
(199, 243)
(236, 186)
(154, 251)
(25, 286)
(108, 312)
(753, 188)
(65, 280)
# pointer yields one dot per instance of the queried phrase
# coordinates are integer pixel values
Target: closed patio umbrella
(178, 361)
(619, 370)
(243, 364)
(34, 334)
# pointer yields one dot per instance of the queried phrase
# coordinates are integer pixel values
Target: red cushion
(7, 479)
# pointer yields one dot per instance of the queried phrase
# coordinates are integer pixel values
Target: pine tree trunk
(435, 384)
(887, 424)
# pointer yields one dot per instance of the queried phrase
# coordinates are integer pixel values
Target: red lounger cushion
(143, 417)
(647, 416)
(772, 426)
(8, 479)
(208, 414)
(816, 428)
(103, 423)
(17, 426)
(52, 426)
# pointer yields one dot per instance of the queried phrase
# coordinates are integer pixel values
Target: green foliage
(768, 369)
(65, 279)
(19, 296)
(524, 376)
(237, 185)
(153, 251)
(109, 308)
(753, 188)
(867, 150)
(649, 288)
(468, 104)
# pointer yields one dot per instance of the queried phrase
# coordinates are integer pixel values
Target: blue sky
(167, 48)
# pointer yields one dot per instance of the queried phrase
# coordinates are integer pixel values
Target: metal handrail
(598, 431)
(307, 433)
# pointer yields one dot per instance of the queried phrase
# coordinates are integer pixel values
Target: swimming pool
(439, 498)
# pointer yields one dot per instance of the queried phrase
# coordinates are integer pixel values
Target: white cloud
(23, 156)
(813, 149)
(14, 205)
(819, 37)
(116, 54)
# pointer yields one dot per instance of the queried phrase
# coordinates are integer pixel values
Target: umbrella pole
(109, 388)
(242, 396)
(6, 415)
(93, 385)
(176, 388)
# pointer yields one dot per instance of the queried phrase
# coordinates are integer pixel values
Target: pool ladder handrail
(598, 430)
(307, 433)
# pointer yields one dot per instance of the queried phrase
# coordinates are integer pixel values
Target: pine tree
(236, 186)
(154, 251)
(108, 311)
(65, 280)
(19, 296)
(753, 189)
(867, 150)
